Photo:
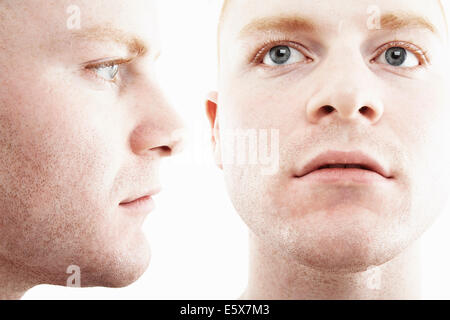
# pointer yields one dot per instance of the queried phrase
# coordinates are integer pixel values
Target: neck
(13, 283)
(275, 276)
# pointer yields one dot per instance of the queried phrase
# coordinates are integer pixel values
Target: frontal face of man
(367, 76)
(83, 126)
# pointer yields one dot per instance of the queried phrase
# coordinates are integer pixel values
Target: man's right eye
(283, 55)
(108, 73)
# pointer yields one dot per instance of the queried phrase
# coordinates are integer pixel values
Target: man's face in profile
(365, 76)
(83, 126)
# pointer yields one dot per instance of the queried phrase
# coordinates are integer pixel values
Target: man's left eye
(399, 57)
(108, 73)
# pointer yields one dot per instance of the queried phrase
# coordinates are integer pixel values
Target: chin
(340, 244)
(117, 269)
(115, 276)
(345, 255)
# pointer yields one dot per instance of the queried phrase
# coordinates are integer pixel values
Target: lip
(140, 204)
(373, 171)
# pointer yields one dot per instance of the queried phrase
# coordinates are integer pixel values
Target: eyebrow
(104, 33)
(395, 21)
(291, 24)
(285, 24)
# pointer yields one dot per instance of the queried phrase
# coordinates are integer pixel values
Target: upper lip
(137, 195)
(338, 157)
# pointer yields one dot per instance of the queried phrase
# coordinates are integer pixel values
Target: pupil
(280, 54)
(396, 56)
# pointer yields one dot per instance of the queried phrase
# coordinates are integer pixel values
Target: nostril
(326, 109)
(364, 110)
(368, 112)
(166, 150)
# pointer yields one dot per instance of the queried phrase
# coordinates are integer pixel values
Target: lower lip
(142, 205)
(333, 175)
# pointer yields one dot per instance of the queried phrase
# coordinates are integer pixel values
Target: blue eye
(282, 55)
(108, 72)
(399, 57)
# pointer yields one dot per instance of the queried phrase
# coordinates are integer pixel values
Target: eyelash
(90, 66)
(268, 45)
(420, 54)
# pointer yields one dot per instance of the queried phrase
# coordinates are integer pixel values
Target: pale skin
(77, 138)
(336, 91)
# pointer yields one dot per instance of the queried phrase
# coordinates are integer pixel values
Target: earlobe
(211, 113)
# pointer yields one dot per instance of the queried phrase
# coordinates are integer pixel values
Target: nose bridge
(159, 128)
(344, 87)
(349, 74)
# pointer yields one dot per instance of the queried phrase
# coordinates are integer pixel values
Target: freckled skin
(72, 148)
(338, 229)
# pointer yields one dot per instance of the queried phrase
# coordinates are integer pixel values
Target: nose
(160, 130)
(345, 89)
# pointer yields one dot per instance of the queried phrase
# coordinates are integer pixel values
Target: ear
(211, 113)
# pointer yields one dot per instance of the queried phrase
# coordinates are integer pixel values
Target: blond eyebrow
(291, 24)
(104, 33)
(285, 24)
(395, 21)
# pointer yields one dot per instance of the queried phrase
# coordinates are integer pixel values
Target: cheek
(255, 103)
(420, 120)
(419, 117)
(58, 159)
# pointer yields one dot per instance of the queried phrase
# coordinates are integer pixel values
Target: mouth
(140, 204)
(335, 165)
(138, 207)
(135, 201)
(345, 166)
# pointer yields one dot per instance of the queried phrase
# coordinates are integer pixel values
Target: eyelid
(103, 63)
(421, 54)
(259, 55)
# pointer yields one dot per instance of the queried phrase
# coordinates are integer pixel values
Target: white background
(199, 244)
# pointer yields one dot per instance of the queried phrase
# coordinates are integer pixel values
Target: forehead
(330, 14)
(101, 20)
